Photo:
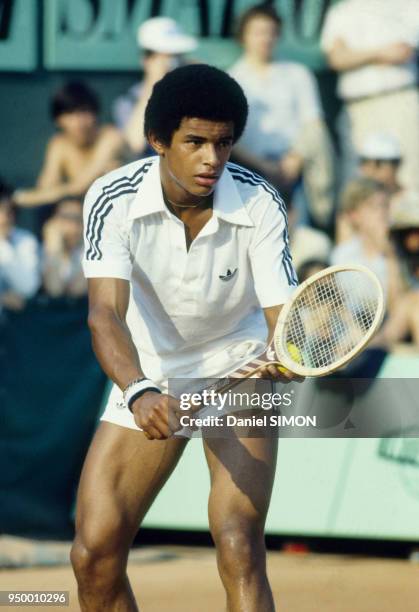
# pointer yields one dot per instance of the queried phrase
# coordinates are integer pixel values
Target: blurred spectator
(285, 138)
(63, 251)
(306, 243)
(405, 232)
(379, 159)
(365, 202)
(371, 43)
(164, 44)
(19, 258)
(82, 150)
(310, 267)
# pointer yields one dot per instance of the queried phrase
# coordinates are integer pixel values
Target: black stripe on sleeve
(100, 208)
(247, 177)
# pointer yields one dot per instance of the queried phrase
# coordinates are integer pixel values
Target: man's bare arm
(341, 57)
(271, 317)
(108, 156)
(111, 338)
(154, 413)
(51, 172)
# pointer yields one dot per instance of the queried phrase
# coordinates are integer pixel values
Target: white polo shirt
(370, 24)
(195, 313)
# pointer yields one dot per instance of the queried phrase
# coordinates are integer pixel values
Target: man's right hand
(157, 414)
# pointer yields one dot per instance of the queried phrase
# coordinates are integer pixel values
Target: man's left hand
(279, 374)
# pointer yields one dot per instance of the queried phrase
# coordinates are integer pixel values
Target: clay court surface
(180, 579)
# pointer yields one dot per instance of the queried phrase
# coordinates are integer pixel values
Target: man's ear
(157, 145)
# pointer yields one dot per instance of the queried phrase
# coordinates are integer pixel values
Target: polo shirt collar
(149, 197)
(228, 204)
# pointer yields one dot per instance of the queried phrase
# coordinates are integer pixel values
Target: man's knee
(240, 550)
(99, 556)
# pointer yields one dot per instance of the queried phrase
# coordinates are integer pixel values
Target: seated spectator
(19, 258)
(405, 233)
(366, 204)
(82, 151)
(379, 159)
(285, 138)
(163, 44)
(63, 251)
(372, 44)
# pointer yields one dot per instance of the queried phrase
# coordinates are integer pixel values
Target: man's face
(79, 126)
(70, 217)
(260, 37)
(385, 172)
(156, 65)
(372, 216)
(196, 157)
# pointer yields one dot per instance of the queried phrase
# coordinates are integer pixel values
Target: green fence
(51, 391)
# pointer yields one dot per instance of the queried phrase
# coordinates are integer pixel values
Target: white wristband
(136, 388)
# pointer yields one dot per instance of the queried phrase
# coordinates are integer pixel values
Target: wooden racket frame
(279, 339)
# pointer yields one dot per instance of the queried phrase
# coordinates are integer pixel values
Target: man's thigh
(121, 476)
(242, 473)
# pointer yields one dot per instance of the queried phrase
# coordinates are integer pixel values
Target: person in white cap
(379, 159)
(163, 44)
(372, 45)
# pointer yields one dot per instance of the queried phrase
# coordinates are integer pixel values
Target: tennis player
(188, 266)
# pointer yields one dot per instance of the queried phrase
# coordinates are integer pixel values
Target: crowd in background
(352, 200)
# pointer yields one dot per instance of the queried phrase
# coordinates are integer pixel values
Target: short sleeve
(273, 272)
(106, 239)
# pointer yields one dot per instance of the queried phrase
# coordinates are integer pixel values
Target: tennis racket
(329, 320)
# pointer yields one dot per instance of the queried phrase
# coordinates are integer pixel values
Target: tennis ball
(294, 353)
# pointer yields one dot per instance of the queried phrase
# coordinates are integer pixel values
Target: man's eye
(225, 143)
(195, 142)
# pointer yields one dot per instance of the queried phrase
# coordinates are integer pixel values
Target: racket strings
(331, 317)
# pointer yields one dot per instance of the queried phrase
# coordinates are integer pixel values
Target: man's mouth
(207, 179)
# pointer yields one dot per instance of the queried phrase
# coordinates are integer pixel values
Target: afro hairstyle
(194, 91)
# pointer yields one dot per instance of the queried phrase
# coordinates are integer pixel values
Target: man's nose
(211, 156)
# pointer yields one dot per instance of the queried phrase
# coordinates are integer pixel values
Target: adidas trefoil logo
(229, 275)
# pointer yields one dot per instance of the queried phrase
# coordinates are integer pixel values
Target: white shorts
(118, 413)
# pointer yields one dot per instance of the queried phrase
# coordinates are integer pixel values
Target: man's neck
(88, 143)
(175, 194)
(258, 63)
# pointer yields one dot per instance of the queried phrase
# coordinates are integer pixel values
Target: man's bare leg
(121, 477)
(242, 474)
